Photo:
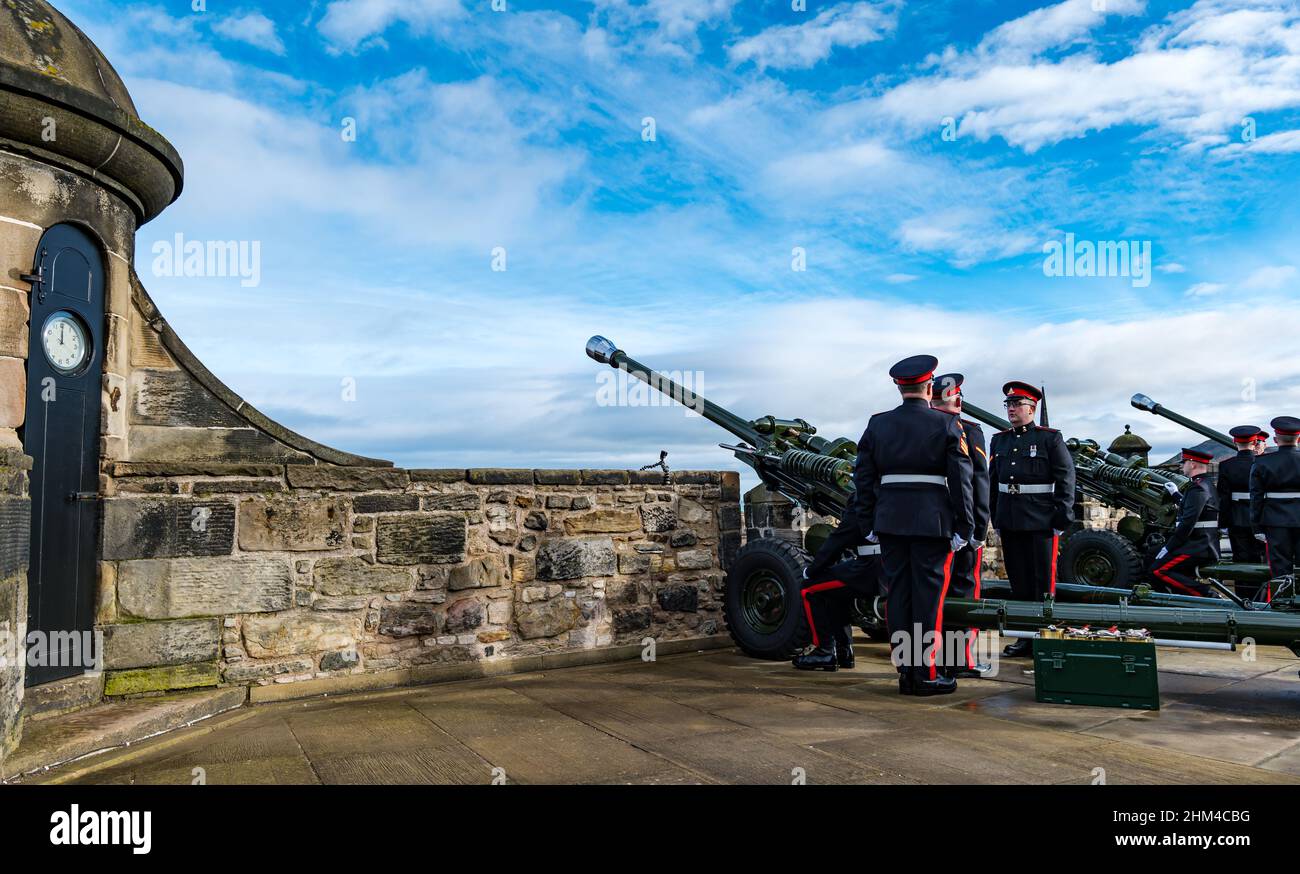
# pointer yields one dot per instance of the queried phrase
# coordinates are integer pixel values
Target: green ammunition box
(1098, 673)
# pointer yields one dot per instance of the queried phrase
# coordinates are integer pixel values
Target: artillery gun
(761, 604)
(1114, 559)
(1231, 570)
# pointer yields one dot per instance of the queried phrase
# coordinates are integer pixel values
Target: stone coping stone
(58, 739)
(428, 674)
(194, 468)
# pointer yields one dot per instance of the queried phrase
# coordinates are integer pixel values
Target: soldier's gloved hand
(957, 543)
(805, 573)
(1058, 531)
(873, 538)
(1162, 553)
(1262, 538)
(1171, 489)
(978, 544)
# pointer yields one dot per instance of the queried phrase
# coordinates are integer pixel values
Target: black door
(61, 434)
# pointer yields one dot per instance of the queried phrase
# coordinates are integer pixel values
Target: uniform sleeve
(980, 461)
(1193, 503)
(1063, 476)
(1258, 487)
(960, 481)
(993, 479)
(846, 535)
(1224, 489)
(865, 479)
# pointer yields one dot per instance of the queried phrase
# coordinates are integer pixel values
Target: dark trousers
(967, 567)
(915, 573)
(828, 599)
(1176, 572)
(1245, 548)
(1281, 550)
(1030, 557)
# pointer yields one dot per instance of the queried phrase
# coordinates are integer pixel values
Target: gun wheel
(1100, 558)
(763, 606)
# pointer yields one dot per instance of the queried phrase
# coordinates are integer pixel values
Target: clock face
(66, 342)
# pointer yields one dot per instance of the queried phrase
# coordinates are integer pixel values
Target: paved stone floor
(718, 717)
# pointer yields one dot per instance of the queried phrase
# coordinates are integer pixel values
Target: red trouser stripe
(1268, 559)
(938, 616)
(1056, 544)
(1163, 575)
(807, 608)
(972, 633)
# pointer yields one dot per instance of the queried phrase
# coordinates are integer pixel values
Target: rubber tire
(786, 561)
(1123, 555)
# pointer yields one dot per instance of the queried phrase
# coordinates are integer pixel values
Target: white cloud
(1193, 78)
(1052, 27)
(1206, 289)
(1171, 267)
(353, 25)
(1281, 143)
(901, 278)
(801, 46)
(965, 237)
(1270, 278)
(252, 28)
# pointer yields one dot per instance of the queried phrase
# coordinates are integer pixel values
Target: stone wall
(256, 573)
(15, 518)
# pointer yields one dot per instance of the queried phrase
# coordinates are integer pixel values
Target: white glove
(957, 543)
(1162, 553)
(873, 538)
(1262, 538)
(978, 544)
(1171, 489)
(1057, 533)
(805, 573)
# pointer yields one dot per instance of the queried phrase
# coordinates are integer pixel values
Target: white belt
(1017, 489)
(892, 479)
(873, 549)
(1214, 524)
(1283, 496)
(1241, 496)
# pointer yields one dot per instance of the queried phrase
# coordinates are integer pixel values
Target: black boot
(844, 654)
(1021, 646)
(820, 659)
(923, 686)
(905, 686)
(973, 673)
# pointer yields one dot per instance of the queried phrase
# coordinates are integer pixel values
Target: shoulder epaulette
(1045, 428)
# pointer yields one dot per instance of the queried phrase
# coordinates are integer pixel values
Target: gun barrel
(1144, 403)
(984, 416)
(604, 351)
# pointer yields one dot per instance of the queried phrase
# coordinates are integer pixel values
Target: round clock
(66, 342)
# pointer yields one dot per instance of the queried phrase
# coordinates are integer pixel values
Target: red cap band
(915, 380)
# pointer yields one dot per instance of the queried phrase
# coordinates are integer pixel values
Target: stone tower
(79, 173)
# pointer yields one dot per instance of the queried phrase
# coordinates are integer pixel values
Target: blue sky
(1176, 123)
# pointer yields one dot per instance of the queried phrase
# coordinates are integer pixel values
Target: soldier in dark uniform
(915, 496)
(1195, 541)
(831, 585)
(967, 564)
(1234, 498)
(1275, 500)
(1032, 499)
